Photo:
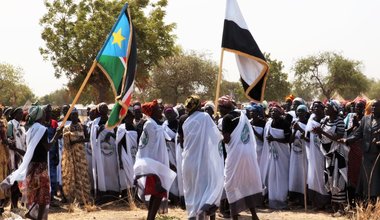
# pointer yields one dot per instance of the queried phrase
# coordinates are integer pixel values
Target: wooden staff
(78, 93)
(218, 81)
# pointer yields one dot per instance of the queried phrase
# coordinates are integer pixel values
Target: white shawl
(242, 173)
(126, 174)
(202, 165)
(33, 137)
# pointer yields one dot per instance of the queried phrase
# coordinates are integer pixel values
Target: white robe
(105, 161)
(126, 174)
(152, 157)
(264, 158)
(298, 163)
(259, 143)
(33, 137)
(316, 160)
(179, 159)
(18, 133)
(202, 164)
(278, 170)
(242, 173)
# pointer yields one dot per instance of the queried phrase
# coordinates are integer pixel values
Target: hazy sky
(287, 29)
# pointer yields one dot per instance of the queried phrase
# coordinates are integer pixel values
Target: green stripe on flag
(114, 68)
(114, 119)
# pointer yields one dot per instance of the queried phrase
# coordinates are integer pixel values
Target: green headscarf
(35, 113)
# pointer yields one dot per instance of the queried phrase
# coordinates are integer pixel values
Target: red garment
(38, 184)
(53, 124)
(153, 187)
(354, 162)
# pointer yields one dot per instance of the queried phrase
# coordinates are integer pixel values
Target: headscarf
(210, 104)
(368, 107)
(170, 108)
(14, 111)
(192, 103)
(289, 98)
(226, 101)
(303, 108)
(257, 108)
(361, 101)
(74, 110)
(35, 113)
(275, 105)
(299, 99)
(147, 108)
(335, 104)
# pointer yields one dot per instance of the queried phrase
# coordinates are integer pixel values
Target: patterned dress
(4, 160)
(75, 178)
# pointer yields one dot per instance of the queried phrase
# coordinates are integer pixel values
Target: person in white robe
(126, 139)
(277, 140)
(104, 155)
(152, 172)
(317, 192)
(202, 164)
(17, 149)
(298, 158)
(242, 181)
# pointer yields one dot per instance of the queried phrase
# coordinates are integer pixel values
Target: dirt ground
(116, 212)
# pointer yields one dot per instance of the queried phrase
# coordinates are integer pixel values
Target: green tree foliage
(74, 32)
(13, 90)
(177, 77)
(326, 73)
(59, 97)
(234, 89)
(278, 86)
(374, 91)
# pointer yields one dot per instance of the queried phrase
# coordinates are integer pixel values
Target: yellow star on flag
(117, 37)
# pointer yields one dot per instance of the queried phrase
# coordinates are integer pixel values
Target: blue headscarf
(303, 108)
(335, 104)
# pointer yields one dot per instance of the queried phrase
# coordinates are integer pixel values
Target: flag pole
(218, 81)
(79, 93)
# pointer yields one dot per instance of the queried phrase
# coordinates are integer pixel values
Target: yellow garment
(75, 178)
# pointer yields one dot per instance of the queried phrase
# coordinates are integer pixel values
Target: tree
(177, 77)
(328, 72)
(374, 91)
(277, 87)
(74, 32)
(234, 89)
(59, 97)
(13, 90)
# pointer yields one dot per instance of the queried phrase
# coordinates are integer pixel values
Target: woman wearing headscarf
(258, 123)
(242, 181)
(127, 145)
(336, 154)
(277, 136)
(202, 165)
(4, 159)
(151, 168)
(75, 178)
(317, 192)
(298, 159)
(352, 123)
(16, 133)
(34, 168)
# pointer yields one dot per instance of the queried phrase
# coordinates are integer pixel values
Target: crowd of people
(195, 155)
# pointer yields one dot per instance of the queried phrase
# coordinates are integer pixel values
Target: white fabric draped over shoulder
(298, 162)
(242, 173)
(152, 156)
(126, 174)
(33, 137)
(278, 170)
(202, 164)
(316, 160)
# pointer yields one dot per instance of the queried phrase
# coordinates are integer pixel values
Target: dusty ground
(116, 212)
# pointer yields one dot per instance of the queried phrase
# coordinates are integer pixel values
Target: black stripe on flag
(251, 62)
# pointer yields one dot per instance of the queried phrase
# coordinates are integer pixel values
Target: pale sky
(287, 29)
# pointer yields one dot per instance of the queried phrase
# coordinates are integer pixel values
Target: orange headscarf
(147, 108)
